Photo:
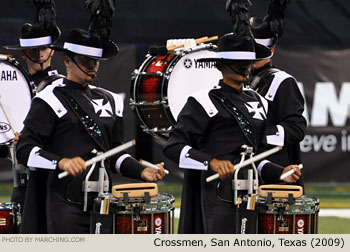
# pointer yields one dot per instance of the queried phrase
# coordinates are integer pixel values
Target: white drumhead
(189, 77)
(16, 99)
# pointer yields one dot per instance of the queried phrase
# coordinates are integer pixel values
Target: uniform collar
(75, 85)
(261, 69)
(228, 88)
(41, 74)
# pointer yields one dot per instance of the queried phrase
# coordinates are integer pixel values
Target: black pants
(67, 218)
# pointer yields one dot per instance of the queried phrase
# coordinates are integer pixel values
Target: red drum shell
(282, 218)
(9, 218)
(138, 217)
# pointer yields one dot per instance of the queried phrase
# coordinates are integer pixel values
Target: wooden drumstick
(7, 117)
(148, 164)
(198, 41)
(105, 155)
(213, 38)
(249, 161)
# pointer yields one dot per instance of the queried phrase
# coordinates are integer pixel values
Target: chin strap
(37, 61)
(93, 76)
(239, 73)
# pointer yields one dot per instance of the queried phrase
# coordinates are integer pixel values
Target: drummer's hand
(223, 167)
(16, 138)
(153, 175)
(293, 177)
(73, 166)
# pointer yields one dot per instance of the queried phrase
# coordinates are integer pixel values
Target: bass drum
(162, 84)
(16, 93)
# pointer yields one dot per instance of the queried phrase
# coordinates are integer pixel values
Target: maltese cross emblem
(253, 107)
(105, 110)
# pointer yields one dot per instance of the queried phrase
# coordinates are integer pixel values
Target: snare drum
(16, 95)
(280, 217)
(161, 86)
(139, 217)
(10, 218)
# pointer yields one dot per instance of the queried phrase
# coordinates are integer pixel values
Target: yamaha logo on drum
(202, 65)
(4, 127)
(189, 63)
(8, 76)
(301, 226)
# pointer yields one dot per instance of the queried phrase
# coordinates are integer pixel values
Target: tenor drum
(162, 84)
(16, 94)
(10, 218)
(139, 217)
(281, 217)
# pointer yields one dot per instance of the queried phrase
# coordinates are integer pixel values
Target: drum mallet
(7, 117)
(197, 41)
(290, 172)
(105, 155)
(148, 164)
(249, 161)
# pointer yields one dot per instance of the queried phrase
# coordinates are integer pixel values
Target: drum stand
(245, 213)
(101, 186)
(20, 173)
(250, 184)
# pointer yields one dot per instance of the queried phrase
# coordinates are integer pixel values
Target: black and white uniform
(285, 124)
(53, 130)
(19, 192)
(206, 129)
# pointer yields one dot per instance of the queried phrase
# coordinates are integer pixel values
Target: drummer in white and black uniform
(35, 42)
(285, 123)
(209, 133)
(66, 122)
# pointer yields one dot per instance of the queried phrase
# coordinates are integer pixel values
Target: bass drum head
(190, 76)
(16, 96)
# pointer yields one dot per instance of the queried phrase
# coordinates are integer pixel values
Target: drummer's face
(39, 55)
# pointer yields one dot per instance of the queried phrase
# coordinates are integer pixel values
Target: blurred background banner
(315, 49)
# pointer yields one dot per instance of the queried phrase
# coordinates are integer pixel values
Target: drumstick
(210, 39)
(103, 156)
(148, 164)
(290, 172)
(7, 117)
(249, 161)
(198, 41)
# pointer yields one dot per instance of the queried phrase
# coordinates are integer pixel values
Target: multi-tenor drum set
(159, 90)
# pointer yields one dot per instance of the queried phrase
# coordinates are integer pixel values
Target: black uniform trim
(131, 168)
(199, 156)
(271, 172)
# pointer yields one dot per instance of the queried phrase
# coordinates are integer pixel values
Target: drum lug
(135, 74)
(136, 213)
(280, 214)
(143, 103)
(158, 130)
